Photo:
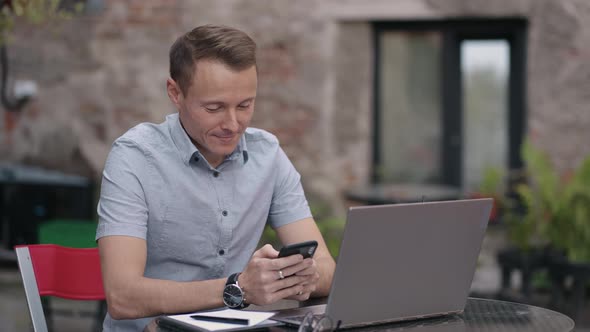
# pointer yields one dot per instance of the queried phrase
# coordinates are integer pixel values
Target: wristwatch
(233, 295)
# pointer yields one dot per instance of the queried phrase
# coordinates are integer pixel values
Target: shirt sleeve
(288, 200)
(122, 207)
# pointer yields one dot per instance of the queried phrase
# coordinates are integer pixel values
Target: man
(183, 204)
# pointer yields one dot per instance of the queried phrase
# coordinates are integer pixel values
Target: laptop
(403, 262)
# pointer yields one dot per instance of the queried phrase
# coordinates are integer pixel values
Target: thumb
(267, 251)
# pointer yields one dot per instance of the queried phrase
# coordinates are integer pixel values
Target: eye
(245, 105)
(213, 108)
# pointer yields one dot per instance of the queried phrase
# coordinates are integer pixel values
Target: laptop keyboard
(302, 317)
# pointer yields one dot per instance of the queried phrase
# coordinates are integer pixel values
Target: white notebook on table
(184, 322)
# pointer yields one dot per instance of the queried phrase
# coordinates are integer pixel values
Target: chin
(222, 148)
(226, 150)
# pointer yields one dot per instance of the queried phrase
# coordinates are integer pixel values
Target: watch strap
(233, 279)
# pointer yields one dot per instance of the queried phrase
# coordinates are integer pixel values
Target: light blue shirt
(199, 222)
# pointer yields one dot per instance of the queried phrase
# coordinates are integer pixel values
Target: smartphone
(306, 249)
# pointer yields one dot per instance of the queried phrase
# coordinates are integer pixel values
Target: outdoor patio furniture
(52, 270)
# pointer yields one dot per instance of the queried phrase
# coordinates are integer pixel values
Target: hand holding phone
(306, 249)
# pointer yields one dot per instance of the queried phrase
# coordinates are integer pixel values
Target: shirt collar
(189, 151)
(180, 138)
(241, 150)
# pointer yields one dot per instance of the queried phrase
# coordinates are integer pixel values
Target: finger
(280, 294)
(305, 272)
(282, 263)
(288, 283)
(267, 251)
(261, 292)
(301, 266)
(311, 281)
(287, 280)
(306, 279)
(310, 269)
(290, 293)
(299, 297)
(304, 294)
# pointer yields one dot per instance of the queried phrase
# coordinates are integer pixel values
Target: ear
(174, 92)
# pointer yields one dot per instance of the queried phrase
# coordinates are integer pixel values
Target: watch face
(232, 296)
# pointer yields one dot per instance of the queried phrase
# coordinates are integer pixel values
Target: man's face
(217, 107)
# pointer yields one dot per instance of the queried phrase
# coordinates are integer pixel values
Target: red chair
(52, 270)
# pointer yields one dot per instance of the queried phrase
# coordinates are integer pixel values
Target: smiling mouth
(226, 139)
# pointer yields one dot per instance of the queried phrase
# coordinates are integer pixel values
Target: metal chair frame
(36, 285)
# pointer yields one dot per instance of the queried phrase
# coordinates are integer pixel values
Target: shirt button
(216, 174)
(221, 252)
(224, 213)
(196, 159)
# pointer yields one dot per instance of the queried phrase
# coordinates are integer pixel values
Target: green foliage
(522, 229)
(331, 228)
(269, 236)
(34, 12)
(492, 182)
(556, 209)
(540, 280)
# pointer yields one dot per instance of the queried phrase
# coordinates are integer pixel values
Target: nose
(230, 121)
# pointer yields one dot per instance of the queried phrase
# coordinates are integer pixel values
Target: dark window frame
(454, 31)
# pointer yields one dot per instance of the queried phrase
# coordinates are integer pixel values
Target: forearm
(326, 266)
(131, 295)
(146, 297)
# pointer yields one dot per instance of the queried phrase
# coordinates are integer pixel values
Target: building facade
(320, 88)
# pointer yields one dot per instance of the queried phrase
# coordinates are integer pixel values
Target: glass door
(484, 76)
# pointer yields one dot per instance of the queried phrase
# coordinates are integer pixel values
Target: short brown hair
(210, 42)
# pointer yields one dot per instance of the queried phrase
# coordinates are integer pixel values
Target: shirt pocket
(189, 233)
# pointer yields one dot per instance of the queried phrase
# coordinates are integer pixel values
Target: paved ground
(78, 316)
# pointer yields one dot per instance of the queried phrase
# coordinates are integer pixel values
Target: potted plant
(507, 209)
(558, 206)
(526, 252)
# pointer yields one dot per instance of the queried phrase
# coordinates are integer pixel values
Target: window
(449, 99)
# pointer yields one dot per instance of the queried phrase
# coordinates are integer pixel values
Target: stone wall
(558, 69)
(102, 73)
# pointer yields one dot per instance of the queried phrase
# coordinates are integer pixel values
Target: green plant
(269, 236)
(556, 208)
(331, 228)
(492, 185)
(521, 227)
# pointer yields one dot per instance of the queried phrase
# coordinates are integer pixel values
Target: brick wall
(101, 73)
